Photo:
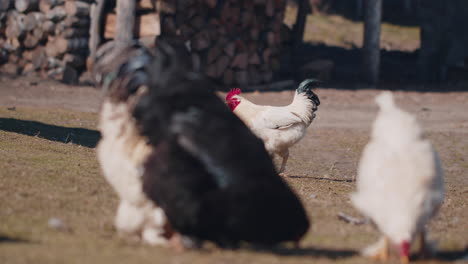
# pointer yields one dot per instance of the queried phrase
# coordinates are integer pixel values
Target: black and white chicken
(189, 156)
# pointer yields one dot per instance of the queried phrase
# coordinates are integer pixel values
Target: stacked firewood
(239, 41)
(50, 36)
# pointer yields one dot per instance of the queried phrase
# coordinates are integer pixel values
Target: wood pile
(239, 41)
(48, 36)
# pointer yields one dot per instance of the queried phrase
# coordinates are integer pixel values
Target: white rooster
(400, 181)
(280, 127)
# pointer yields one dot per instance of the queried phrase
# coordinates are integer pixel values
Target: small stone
(56, 223)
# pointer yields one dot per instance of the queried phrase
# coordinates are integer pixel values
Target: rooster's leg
(379, 250)
(285, 156)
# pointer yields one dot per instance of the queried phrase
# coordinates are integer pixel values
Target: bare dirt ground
(48, 170)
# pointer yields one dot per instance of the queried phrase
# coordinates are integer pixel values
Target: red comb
(234, 91)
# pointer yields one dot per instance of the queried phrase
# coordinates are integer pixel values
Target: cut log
(14, 43)
(240, 61)
(77, 22)
(77, 8)
(31, 41)
(57, 14)
(46, 5)
(24, 6)
(33, 20)
(58, 46)
(28, 68)
(48, 27)
(40, 33)
(5, 5)
(39, 58)
(74, 33)
(59, 28)
(15, 25)
(27, 55)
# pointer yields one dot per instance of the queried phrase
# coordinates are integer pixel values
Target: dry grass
(335, 30)
(41, 177)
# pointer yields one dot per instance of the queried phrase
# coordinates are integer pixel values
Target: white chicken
(400, 181)
(280, 127)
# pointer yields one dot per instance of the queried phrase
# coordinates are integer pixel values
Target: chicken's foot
(379, 250)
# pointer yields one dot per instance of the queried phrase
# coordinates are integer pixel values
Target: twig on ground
(352, 220)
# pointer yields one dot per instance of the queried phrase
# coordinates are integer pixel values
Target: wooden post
(125, 22)
(371, 47)
(95, 33)
(299, 26)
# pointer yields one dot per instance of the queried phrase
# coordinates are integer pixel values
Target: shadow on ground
(447, 256)
(80, 136)
(320, 178)
(335, 254)
(6, 239)
(315, 252)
